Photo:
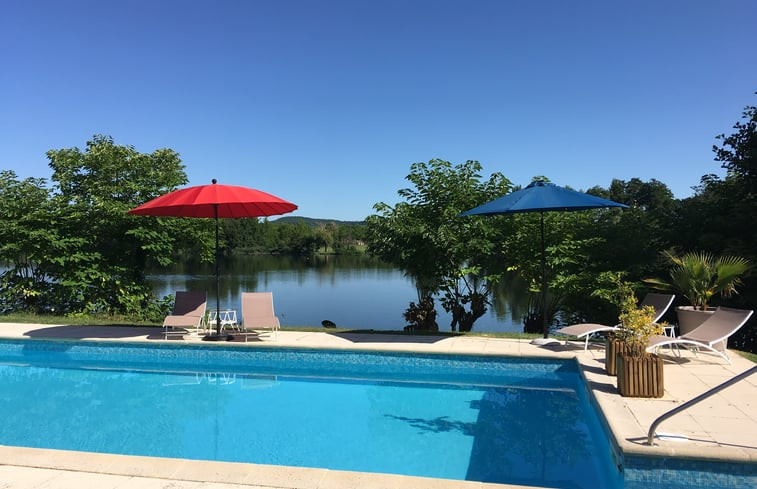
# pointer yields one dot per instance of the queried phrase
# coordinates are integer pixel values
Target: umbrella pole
(218, 281)
(545, 327)
(217, 336)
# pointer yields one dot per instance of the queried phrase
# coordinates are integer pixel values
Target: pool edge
(618, 432)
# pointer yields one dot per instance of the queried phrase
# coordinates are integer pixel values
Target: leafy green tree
(72, 248)
(30, 245)
(293, 236)
(719, 218)
(243, 235)
(570, 240)
(94, 189)
(635, 234)
(738, 151)
(426, 237)
(580, 246)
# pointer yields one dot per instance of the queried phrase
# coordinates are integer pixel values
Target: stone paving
(721, 428)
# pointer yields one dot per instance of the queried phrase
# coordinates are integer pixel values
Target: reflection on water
(356, 292)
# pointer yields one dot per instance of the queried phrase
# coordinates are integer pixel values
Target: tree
(728, 207)
(85, 254)
(738, 151)
(95, 188)
(634, 235)
(426, 237)
(579, 246)
(718, 219)
(570, 239)
(30, 244)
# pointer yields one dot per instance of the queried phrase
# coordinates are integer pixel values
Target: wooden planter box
(640, 377)
(613, 348)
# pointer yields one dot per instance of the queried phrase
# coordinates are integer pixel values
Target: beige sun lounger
(188, 312)
(710, 335)
(257, 314)
(660, 302)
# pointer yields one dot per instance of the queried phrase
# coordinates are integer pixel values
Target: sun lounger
(257, 314)
(188, 312)
(710, 335)
(660, 302)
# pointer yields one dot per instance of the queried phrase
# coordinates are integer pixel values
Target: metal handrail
(701, 397)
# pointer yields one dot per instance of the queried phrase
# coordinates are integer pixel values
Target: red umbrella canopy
(205, 200)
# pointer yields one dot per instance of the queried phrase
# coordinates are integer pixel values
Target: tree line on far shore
(69, 247)
(293, 235)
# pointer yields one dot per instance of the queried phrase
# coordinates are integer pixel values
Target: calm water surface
(352, 291)
(452, 416)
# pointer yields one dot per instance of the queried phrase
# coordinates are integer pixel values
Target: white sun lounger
(660, 302)
(709, 335)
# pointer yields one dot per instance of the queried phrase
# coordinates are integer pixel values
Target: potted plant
(640, 374)
(700, 276)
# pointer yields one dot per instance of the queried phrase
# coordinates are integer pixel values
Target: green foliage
(533, 319)
(72, 249)
(421, 316)
(95, 189)
(719, 218)
(574, 250)
(738, 151)
(700, 276)
(633, 235)
(425, 236)
(296, 236)
(637, 326)
(613, 288)
(26, 239)
(637, 323)
(607, 241)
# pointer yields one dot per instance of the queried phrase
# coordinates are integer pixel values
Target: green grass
(73, 320)
(749, 356)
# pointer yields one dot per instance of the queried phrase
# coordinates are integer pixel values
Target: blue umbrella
(541, 196)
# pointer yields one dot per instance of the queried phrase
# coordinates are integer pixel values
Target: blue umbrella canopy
(541, 196)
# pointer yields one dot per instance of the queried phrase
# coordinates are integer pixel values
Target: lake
(356, 292)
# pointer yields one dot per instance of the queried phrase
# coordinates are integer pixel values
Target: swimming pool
(449, 416)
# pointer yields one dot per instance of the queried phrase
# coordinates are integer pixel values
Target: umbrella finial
(214, 181)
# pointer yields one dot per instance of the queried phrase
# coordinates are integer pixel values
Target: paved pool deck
(721, 428)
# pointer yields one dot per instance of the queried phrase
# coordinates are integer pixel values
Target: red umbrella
(214, 201)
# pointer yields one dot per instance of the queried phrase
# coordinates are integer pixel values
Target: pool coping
(626, 419)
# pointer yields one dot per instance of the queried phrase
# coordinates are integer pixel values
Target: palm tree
(699, 276)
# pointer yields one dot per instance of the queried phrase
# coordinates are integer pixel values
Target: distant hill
(313, 222)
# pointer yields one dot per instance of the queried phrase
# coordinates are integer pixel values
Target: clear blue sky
(327, 103)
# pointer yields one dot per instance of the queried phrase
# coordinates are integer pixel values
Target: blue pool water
(458, 417)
